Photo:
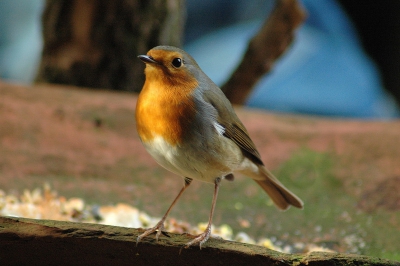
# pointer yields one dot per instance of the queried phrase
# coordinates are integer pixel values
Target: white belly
(200, 164)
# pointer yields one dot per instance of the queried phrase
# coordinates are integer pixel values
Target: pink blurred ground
(84, 143)
(50, 130)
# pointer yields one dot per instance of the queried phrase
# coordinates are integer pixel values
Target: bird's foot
(159, 228)
(200, 239)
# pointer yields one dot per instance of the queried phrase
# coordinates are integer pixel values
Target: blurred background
(342, 63)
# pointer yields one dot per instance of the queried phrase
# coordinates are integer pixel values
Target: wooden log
(46, 242)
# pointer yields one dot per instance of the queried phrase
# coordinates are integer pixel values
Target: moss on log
(27, 241)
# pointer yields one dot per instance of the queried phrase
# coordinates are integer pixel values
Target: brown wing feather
(234, 129)
(238, 134)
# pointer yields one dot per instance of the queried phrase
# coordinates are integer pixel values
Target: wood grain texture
(46, 242)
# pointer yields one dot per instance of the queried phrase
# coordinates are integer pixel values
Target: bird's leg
(160, 225)
(203, 237)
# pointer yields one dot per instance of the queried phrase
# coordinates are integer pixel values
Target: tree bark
(95, 43)
(45, 242)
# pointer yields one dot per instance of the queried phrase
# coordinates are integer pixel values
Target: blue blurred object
(325, 72)
(221, 13)
(20, 39)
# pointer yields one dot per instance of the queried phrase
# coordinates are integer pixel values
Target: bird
(189, 127)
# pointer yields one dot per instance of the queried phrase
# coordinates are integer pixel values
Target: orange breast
(165, 110)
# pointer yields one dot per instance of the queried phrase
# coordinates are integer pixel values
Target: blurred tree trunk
(95, 43)
(264, 48)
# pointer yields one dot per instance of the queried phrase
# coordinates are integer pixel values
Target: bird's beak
(147, 59)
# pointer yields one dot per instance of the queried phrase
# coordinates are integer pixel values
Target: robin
(188, 125)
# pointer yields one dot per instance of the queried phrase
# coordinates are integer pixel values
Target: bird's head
(172, 65)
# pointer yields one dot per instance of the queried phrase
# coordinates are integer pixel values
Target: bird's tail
(279, 194)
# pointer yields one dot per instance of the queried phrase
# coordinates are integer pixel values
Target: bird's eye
(177, 62)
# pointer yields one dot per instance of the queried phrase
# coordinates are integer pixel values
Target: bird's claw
(201, 239)
(159, 227)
